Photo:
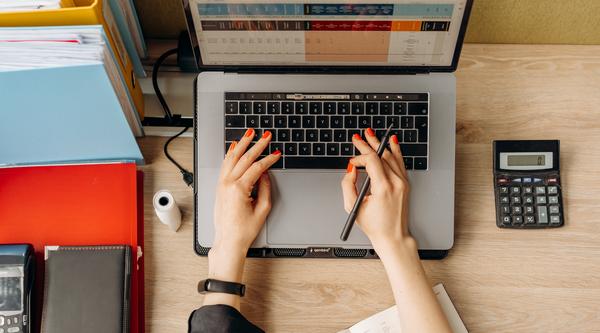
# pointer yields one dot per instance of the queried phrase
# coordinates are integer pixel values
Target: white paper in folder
(388, 321)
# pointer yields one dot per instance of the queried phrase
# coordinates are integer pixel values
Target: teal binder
(127, 35)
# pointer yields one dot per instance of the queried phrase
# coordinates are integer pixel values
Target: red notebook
(91, 204)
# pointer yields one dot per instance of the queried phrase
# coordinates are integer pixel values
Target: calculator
(527, 185)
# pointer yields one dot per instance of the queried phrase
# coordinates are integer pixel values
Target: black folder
(86, 289)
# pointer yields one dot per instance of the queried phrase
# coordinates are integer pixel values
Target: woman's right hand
(383, 215)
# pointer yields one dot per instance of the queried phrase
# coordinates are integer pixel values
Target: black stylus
(363, 191)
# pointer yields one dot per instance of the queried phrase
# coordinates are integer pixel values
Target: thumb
(349, 187)
(263, 197)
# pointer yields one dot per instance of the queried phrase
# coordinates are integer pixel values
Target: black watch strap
(218, 286)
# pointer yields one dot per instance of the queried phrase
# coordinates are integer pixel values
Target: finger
(374, 167)
(231, 148)
(387, 156)
(263, 198)
(236, 151)
(397, 153)
(252, 175)
(251, 155)
(349, 187)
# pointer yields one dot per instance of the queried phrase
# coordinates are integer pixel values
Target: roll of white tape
(166, 209)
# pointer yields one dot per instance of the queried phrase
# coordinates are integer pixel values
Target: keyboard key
(273, 108)
(379, 122)
(542, 214)
(506, 219)
(283, 135)
(420, 163)
(304, 148)
(322, 121)
(329, 108)
(358, 108)
(552, 190)
(347, 149)
(350, 122)
(527, 190)
(393, 121)
(287, 108)
(318, 148)
(417, 109)
(515, 200)
(351, 133)
(515, 190)
(337, 122)
(380, 133)
(385, 108)
(231, 107)
(399, 108)
(372, 108)
(528, 200)
(364, 121)
(290, 148)
(235, 121)
(259, 107)
(554, 219)
(343, 108)
(316, 162)
(408, 163)
(504, 199)
(234, 134)
(530, 219)
(421, 126)
(540, 200)
(301, 108)
(517, 210)
(554, 210)
(553, 199)
(540, 190)
(275, 146)
(252, 121)
(503, 190)
(517, 219)
(295, 122)
(413, 149)
(316, 108)
(339, 135)
(245, 107)
(505, 209)
(266, 121)
(312, 135)
(280, 121)
(528, 209)
(325, 135)
(333, 149)
(297, 135)
(308, 121)
(410, 136)
(406, 122)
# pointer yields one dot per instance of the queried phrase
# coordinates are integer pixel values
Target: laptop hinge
(323, 70)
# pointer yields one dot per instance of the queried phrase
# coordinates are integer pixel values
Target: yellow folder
(83, 12)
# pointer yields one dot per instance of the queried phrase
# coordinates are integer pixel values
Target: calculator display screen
(10, 293)
(526, 161)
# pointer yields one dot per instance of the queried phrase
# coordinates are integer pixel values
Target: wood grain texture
(499, 280)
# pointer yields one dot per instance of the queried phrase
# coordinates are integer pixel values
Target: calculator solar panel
(314, 130)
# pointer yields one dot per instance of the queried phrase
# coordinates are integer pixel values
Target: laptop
(314, 73)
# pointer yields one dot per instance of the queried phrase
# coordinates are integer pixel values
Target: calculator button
(506, 219)
(553, 199)
(554, 210)
(505, 209)
(8, 321)
(540, 190)
(530, 219)
(540, 199)
(502, 180)
(517, 219)
(13, 330)
(1, 320)
(503, 189)
(1, 330)
(536, 180)
(552, 190)
(15, 320)
(504, 200)
(528, 209)
(554, 219)
(552, 180)
(527, 190)
(542, 214)
(517, 210)
(515, 200)
(516, 180)
(526, 180)
(528, 200)
(515, 190)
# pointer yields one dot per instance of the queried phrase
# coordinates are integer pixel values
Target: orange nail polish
(249, 133)
(277, 152)
(350, 167)
(394, 139)
(266, 134)
(356, 137)
(370, 132)
(232, 146)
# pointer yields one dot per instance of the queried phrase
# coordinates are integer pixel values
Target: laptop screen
(333, 33)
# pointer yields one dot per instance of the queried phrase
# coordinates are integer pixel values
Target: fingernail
(356, 137)
(276, 152)
(370, 132)
(394, 139)
(266, 134)
(249, 133)
(232, 146)
(350, 167)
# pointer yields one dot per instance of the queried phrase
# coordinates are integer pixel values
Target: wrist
(387, 247)
(226, 263)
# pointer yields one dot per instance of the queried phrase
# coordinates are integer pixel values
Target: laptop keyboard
(314, 130)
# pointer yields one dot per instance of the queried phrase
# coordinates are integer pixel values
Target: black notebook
(86, 289)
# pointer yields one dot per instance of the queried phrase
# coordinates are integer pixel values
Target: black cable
(155, 68)
(188, 177)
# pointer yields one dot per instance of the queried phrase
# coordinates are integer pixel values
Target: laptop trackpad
(308, 210)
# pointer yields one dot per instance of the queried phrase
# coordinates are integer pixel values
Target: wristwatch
(218, 286)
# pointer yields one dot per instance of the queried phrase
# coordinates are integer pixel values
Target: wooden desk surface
(499, 280)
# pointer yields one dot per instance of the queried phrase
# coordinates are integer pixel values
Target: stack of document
(25, 5)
